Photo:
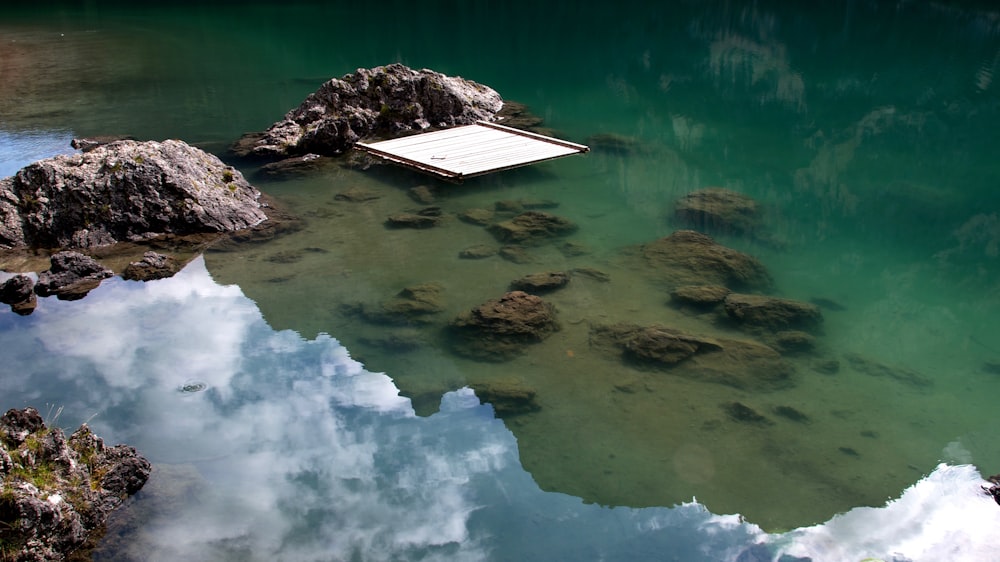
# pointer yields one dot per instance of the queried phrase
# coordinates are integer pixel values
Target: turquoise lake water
(866, 131)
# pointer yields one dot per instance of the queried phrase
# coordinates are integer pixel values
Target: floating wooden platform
(471, 150)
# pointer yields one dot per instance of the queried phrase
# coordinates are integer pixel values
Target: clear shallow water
(864, 128)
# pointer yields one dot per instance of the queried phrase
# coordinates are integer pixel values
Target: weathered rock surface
(687, 257)
(501, 328)
(71, 276)
(124, 191)
(738, 363)
(772, 312)
(58, 492)
(532, 227)
(19, 293)
(387, 100)
(716, 209)
(538, 283)
(152, 266)
(508, 397)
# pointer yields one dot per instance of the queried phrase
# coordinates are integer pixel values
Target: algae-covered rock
(500, 329)
(532, 227)
(772, 312)
(687, 257)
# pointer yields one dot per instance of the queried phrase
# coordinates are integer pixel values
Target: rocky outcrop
(71, 276)
(772, 312)
(387, 101)
(124, 191)
(716, 209)
(738, 363)
(687, 257)
(501, 328)
(58, 492)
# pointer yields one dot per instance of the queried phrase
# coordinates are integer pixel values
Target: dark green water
(867, 130)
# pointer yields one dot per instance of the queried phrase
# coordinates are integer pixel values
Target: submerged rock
(424, 218)
(508, 397)
(687, 257)
(124, 191)
(532, 227)
(719, 210)
(477, 252)
(71, 276)
(876, 369)
(737, 363)
(58, 493)
(772, 312)
(411, 306)
(500, 329)
(387, 100)
(538, 283)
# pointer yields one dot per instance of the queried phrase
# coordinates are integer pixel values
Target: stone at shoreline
(500, 329)
(516, 114)
(71, 276)
(532, 227)
(152, 266)
(687, 257)
(772, 312)
(59, 492)
(19, 293)
(741, 364)
(387, 101)
(508, 397)
(124, 191)
(90, 143)
(716, 209)
(538, 283)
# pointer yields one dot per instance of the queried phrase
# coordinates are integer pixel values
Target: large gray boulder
(124, 191)
(386, 100)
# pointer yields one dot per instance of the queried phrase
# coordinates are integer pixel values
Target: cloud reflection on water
(302, 454)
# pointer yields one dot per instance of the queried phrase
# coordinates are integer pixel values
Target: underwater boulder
(772, 312)
(687, 257)
(500, 329)
(721, 210)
